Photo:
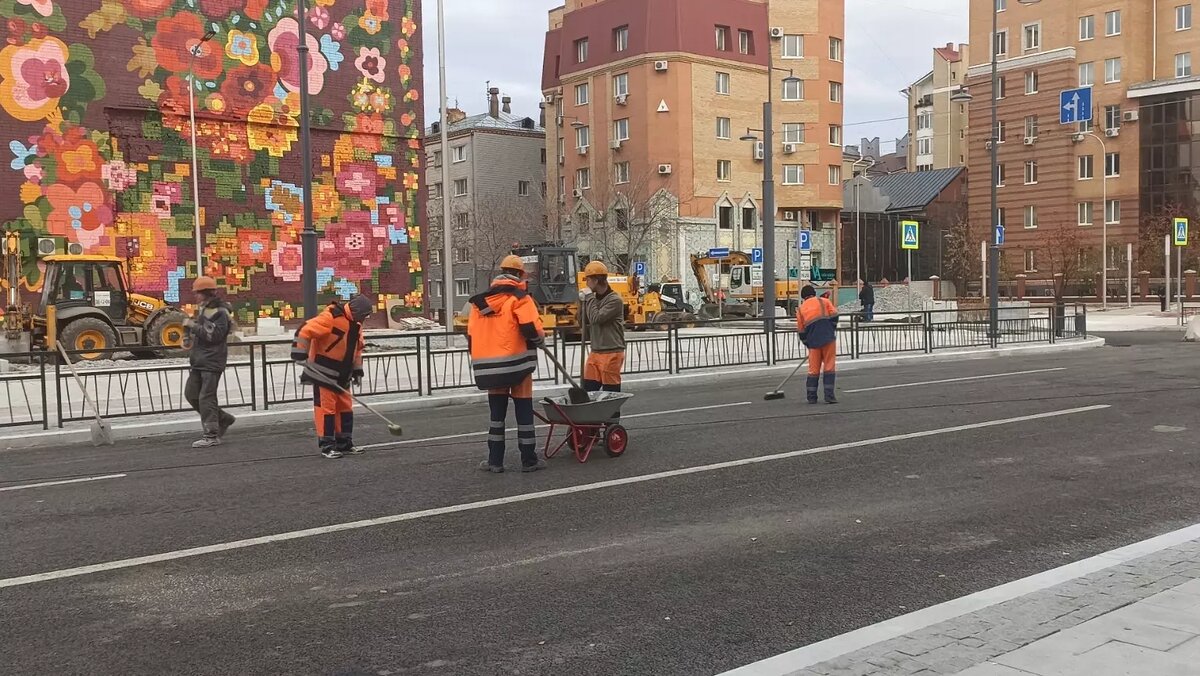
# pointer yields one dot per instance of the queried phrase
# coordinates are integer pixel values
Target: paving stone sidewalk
(1140, 617)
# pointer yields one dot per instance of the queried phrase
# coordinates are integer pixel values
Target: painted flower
(21, 154)
(254, 247)
(358, 179)
(411, 181)
(270, 132)
(283, 41)
(353, 246)
(405, 72)
(319, 17)
(287, 261)
(43, 7)
(147, 9)
(33, 77)
(368, 124)
(331, 49)
(408, 26)
(255, 8)
(118, 175)
(247, 86)
(219, 9)
(76, 156)
(81, 215)
(173, 192)
(177, 36)
(216, 103)
(404, 48)
(30, 192)
(242, 47)
(337, 31)
(370, 63)
(379, 8)
(370, 23)
(33, 173)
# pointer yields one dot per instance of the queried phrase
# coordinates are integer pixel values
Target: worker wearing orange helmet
(207, 341)
(331, 347)
(604, 315)
(504, 333)
(817, 321)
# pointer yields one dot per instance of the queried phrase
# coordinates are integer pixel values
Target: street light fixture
(1079, 138)
(195, 52)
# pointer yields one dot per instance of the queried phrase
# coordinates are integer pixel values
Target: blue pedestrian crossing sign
(804, 241)
(756, 255)
(639, 268)
(1181, 232)
(1075, 105)
(910, 236)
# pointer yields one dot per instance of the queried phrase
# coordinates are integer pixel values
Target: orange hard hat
(595, 269)
(204, 284)
(512, 262)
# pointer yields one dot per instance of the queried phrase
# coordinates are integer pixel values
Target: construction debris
(893, 298)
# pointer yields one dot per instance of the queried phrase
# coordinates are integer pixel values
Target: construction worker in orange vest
(817, 321)
(504, 332)
(331, 347)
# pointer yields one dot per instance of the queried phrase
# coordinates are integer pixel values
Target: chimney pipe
(494, 102)
(507, 101)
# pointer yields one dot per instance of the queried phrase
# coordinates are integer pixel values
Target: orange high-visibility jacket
(331, 345)
(503, 331)
(817, 321)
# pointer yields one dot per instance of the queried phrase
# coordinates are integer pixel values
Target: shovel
(101, 432)
(576, 394)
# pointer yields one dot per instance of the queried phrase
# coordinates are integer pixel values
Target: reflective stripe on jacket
(503, 330)
(331, 345)
(817, 321)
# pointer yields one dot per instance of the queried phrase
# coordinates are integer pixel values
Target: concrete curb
(299, 413)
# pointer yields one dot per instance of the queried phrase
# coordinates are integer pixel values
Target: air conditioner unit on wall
(664, 169)
(577, 193)
(661, 66)
(789, 148)
(549, 98)
(776, 32)
(1030, 140)
(614, 145)
(582, 150)
(75, 248)
(760, 151)
(1112, 133)
(789, 215)
(1130, 116)
(47, 246)
(622, 99)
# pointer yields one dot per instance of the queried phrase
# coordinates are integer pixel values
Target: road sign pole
(1129, 274)
(1167, 267)
(910, 280)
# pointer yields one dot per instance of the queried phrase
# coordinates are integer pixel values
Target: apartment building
(1065, 186)
(647, 102)
(936, 123)
(497, 194)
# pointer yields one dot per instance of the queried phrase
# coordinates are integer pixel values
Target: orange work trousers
(822, 359)
(333, 416)
(522, 390)
(603, 370)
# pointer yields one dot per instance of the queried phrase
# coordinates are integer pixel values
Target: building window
(1085, 213)
(543, 189)
(924, 120)
(435, 285)
(1000, 43)
(1112, 70)
(724, 128)
(435, 257)
(835, 135)
(1183, 17)
(793, 174)
(1031, 37)
(1087, 27)
(1001, 131)
(1112, 165)
(1001, 87)
(437, 158)
(1087, 168)
(1001, 5)
(1030, 262)
(835, 92)
(523, 188)
(1031, 126)
(435, 190)
(793, 90)
(1087, 74)
(621, 172)
(583, 94)
(562, 185)
(1031, 82)
(1001, 216)
(1112, 212)
(1112, 23)
(1001, 172)
(460, 187)
(722, 38)
(621, 39)
(793, 47)
(1183, 64)
(724, 171)
(1112, 117)
(924, 146)
(462, 287)
(583, 178)
(1031, 172)
(621, 84)
(835, 175)
(723, 83)
(745, 42)
(621, 129)
(581, 50)
(749, 218)
(1085, 126)
(793, 132)
(835, 49)
(458, 154)
(583, 137)
(543, 155)
(1031, 221)
(622, 218)
(725, 217)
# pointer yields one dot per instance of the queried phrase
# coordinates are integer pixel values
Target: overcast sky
(888, 45)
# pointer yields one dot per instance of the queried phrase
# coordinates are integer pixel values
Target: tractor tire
(88, 333)
(164, 335)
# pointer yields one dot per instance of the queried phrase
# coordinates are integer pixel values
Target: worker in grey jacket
(604, 313)
(207, 339)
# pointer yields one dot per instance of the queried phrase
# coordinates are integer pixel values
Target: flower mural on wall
(283, 40)
(33, 77)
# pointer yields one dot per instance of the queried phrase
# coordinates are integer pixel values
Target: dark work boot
(810, 388)
(830, 397)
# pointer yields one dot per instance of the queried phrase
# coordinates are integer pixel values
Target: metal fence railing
(40, 391)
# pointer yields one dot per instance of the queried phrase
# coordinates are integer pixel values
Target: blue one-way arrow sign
(719, 252)
(999, 235)
(1075, 105)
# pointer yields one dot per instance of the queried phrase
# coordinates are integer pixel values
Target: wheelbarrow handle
(561, 369)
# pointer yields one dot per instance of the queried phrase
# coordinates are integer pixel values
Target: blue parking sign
(804, 243)
(756, 255)
(639, 268)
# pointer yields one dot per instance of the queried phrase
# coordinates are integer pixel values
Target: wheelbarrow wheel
(616, 441)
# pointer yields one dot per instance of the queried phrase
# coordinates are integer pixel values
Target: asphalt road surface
(732, 530)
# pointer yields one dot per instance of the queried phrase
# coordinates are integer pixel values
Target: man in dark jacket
(867, 298)
(207, 338)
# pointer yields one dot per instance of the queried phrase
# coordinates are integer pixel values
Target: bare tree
(1154, 227)
(960, 250)
(502, 224)
(1071, 258)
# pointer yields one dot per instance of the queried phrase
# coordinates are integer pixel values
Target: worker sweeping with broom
(817, 321)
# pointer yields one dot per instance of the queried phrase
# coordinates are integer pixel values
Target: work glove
(356, 379)
(538, 343)
(585, 295)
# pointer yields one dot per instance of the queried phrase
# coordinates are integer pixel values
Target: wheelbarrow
(587, 424)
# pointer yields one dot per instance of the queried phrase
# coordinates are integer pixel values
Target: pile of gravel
(893, 298)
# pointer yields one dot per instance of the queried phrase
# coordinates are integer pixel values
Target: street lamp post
(448, 291)
(1078, 138)
(308, 237)
(195, 52)
(858, 273)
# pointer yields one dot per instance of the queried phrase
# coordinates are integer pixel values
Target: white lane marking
(955, 380)
(467, 435)
(833, 648)
(63, 482)
(514, 499)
